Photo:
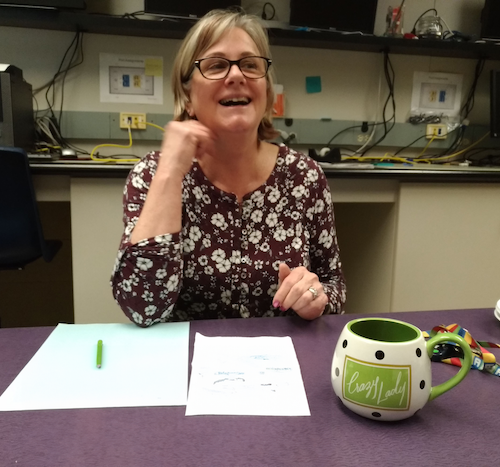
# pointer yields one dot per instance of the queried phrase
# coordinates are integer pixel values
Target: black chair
(21, 234)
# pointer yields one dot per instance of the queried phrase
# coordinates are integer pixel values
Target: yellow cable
(156, 126)
(129, 145)
(385, 157)
(120, 146)
(459, 152)
(427, 145)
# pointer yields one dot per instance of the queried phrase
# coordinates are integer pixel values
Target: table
(457, 429)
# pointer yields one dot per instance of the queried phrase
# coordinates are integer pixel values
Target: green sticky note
(313, 84)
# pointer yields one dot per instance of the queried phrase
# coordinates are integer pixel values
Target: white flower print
(150, 310)
(325, 238)
(256, 216)
(224, 265)
(138, 182)
(206, 199)
(299, 191)
(236, 257)
(203, 260)
(209, 270)
(274, 195)
(265, 247)
(189, 270)
(188, 245)
(137, 317)
(139, 167)
(272, 219)
(144, 264)
(219, 221)
(272, 290)
(289, 158)
(172, 283)
(147, 296)
(319, 206)
(296, 243)
(255, 237)
(218, 255)
(258, 264)
(257, 291)
(226, 297)
(125, 285)
(279, 235)
(244, 313)
(161, 273)
(197, 192)
(295, 215)
(133, 207)
(167, 313)
(206, 242)
(301, 165)
(192, 216)
(195, 233)
(312, 175)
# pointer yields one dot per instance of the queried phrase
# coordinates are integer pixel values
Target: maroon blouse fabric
(224, 262)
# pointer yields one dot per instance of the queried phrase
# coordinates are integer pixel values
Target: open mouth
(235, 101)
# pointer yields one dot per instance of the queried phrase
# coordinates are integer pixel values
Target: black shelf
(104, 24)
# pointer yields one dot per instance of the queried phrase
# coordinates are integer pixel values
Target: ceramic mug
(381, 368)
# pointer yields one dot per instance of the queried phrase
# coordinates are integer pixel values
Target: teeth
(236, 100)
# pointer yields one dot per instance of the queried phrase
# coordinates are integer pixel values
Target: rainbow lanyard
(450, 353)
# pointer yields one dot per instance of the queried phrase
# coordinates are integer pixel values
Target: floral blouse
(224, 262)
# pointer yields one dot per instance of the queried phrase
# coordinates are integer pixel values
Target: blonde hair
(206, 32)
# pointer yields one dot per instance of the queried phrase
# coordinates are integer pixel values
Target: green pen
(99, 354)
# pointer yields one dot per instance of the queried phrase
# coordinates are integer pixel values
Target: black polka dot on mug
(379, 355)
(422, 384)
(419, 353)
(344, 344)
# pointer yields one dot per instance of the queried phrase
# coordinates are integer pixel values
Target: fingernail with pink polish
(276, 304)
(282, 308)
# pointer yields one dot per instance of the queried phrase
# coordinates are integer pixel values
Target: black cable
(409, 145)
(265, 15)
(426, 11)
(75, 52)
(465, 110)
(390, 76)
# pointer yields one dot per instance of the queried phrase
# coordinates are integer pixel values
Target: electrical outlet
(136, 121)
(436, 131)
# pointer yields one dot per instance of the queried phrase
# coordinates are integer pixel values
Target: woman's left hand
(300, 290)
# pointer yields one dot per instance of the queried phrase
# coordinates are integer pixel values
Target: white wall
(350, 80)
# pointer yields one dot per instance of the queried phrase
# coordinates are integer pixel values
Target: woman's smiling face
(212, 101)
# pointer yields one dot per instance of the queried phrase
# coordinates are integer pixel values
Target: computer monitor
(490, 26)
(17, 127)
(340, 15)
(495, 104)
(186, 8)
(56, 4)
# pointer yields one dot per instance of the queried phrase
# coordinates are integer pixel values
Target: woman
(221, 223)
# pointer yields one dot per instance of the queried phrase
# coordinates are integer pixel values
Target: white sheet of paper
(245, 376)
(140, 367)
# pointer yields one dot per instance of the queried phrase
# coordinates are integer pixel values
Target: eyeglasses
(218, 68)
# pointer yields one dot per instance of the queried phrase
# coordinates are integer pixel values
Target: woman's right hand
(182, 142)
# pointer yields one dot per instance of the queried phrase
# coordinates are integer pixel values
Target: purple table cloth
(457, 429)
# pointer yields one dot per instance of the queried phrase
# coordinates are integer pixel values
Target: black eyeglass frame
(231, 63)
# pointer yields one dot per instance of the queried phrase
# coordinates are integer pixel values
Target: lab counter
(411, 238)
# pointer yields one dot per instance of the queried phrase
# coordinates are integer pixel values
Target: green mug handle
(466, 362)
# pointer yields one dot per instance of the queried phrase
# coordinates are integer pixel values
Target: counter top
(420, 173)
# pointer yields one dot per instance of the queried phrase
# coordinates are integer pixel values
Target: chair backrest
(21, 234)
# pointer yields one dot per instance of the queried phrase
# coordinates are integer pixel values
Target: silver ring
(314, 292)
